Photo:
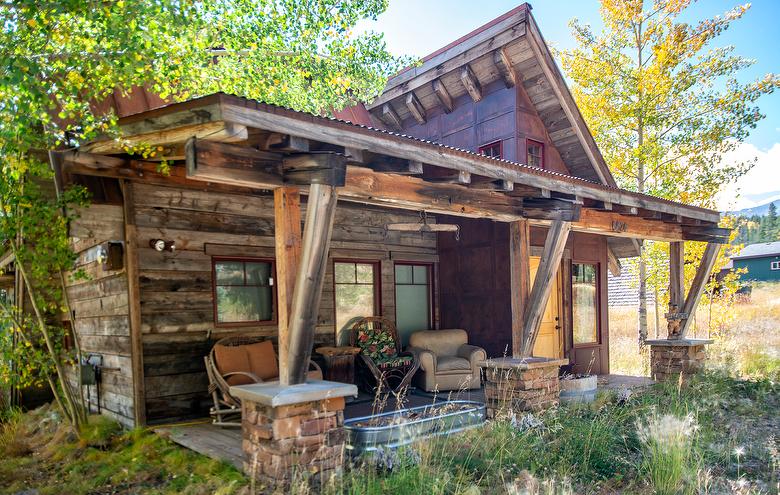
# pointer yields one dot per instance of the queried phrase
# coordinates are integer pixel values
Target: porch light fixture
(161, 245)
(423, 226)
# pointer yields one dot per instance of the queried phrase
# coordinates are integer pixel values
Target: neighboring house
(483, 135)
(623, 288)
(762, 262)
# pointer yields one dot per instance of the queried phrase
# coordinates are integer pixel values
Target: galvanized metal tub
(409, 425)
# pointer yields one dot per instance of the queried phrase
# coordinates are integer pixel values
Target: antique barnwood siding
(177, 315)
(100, 310)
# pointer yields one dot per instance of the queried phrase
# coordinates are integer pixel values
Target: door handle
(557, 327)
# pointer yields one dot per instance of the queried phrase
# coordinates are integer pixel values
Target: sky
(418, 27)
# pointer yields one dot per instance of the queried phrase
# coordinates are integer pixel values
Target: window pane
(345, 273)
(411, 310)
(229, 272)
(243, 304)
(403, 274)
(365, 273)
(353, 301)
(584, 299)
(420, 274)
(258, 273)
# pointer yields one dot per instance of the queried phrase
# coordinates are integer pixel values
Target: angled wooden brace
(697, 288)
(540, 293)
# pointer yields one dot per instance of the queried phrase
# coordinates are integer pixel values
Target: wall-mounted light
(161, 245)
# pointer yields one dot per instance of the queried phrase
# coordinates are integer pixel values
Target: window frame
(431, 288)
(499, 143)
(377, 264)
(274, 301)
(598, 340)
(528, 143)
(774, 265)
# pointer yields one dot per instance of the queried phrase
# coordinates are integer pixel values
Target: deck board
(222, 444)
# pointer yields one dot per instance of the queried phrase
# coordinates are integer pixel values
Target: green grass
(593, 448)
(106, 460)
(599, 448)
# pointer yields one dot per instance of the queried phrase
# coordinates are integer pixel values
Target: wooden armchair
(241, 360)
(386, 367)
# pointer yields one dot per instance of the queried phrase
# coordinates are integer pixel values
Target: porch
(224, 444)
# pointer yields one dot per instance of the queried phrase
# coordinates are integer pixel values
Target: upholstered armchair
(447, 361)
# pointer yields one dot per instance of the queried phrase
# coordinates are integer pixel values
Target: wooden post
(320, 212)
(697, 287)
(545, 274)
(520, 276)
(134, 304)
(676, 276)
(287, 233)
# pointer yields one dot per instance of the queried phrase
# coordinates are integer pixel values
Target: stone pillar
(293, 431)
(516, 385)
(671, 357)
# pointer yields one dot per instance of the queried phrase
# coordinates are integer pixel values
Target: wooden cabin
(484, 135)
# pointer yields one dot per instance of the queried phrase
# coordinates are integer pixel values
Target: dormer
(497, 91)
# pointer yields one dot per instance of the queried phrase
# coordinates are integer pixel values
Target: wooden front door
(548, 343)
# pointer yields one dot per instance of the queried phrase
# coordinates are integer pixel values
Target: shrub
(668, 460)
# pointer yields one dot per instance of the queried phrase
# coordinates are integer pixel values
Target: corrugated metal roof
(526, 168)
(759, 250)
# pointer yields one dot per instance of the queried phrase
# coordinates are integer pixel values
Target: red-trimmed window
(355, 290)
(534, 153)
(494, 150)
(243, 291)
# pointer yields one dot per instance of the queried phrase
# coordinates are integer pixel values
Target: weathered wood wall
(176, 288)
(100, 308)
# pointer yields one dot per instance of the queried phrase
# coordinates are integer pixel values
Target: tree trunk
(640, 186)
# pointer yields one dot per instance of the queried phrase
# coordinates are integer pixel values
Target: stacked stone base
(670, 362)
(517, 389)
(293, 441)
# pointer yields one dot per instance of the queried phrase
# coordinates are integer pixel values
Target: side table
(339, 363)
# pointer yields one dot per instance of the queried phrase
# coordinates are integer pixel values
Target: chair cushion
(377, 344)
(452, 363)
(393, 362)
(230, 359)
(440, 342)
(262, 360)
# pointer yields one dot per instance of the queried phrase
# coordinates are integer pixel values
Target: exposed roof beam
(493, 185)
(460, 177)
(440, 90)
(508, 29)
(364, 185)
(390, 117)
(471, 83)
(231, 164)
(415, 108)
(218, 130)
(382, 163)
(504, 66)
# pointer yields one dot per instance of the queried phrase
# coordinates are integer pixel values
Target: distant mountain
(759, 210)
